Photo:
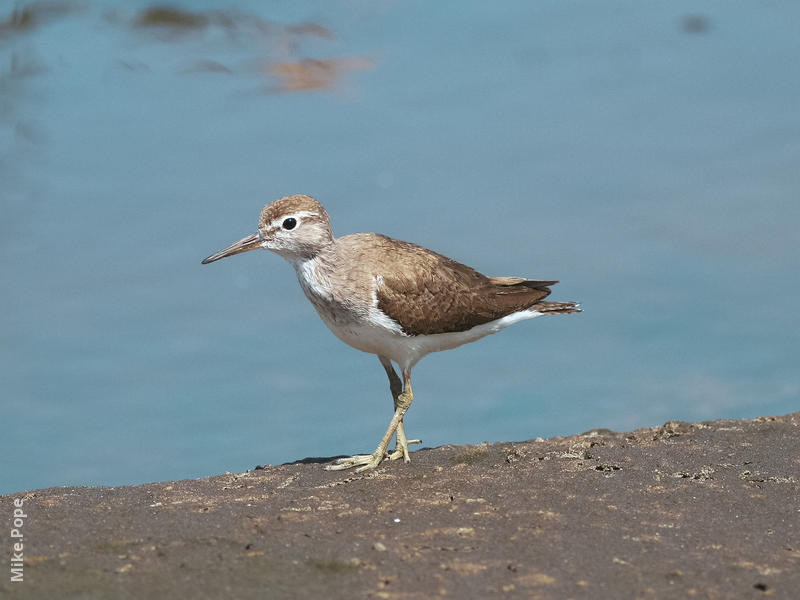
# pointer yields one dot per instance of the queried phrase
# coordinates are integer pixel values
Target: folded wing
(435, 294)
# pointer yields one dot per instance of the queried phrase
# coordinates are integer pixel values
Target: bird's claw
(364, 462)
(401, 451)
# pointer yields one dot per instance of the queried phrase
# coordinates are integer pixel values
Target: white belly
(365, 327)
(407, 350)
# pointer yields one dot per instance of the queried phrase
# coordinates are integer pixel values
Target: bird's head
(296, 227)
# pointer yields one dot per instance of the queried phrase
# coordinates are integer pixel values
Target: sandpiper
(390, 298)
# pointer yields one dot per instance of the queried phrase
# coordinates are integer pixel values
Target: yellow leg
(396, 387)
(402, 401)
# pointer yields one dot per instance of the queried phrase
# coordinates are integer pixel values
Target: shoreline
(708, 509)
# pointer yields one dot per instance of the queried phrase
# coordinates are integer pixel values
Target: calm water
(645, 155)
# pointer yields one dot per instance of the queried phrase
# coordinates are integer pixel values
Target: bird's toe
(362, 461)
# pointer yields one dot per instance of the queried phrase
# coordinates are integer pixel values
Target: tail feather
(520, 283)
(533, 291)
(562, 308)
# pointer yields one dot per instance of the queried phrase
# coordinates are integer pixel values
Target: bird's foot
(401, 447)
(364, 462)
(401, 450)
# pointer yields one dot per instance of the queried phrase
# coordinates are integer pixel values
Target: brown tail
(508, 286)
(561, 308)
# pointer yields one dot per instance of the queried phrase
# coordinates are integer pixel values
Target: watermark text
(17, 541)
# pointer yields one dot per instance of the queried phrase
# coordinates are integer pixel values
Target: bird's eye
(289, 223)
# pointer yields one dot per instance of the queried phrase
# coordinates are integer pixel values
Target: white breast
(315, 285)
(356, 321)
(365, 327)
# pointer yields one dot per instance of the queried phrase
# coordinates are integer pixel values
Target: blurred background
(645, 155)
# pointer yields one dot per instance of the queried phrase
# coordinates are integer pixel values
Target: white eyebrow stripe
(276, 223)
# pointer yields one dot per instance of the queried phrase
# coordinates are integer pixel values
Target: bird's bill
(251, 242)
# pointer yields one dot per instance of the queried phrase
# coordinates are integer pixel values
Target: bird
(391, 298)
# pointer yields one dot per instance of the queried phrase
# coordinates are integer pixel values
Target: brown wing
(434, 294)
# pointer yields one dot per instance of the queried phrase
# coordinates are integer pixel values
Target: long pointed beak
(251, 242)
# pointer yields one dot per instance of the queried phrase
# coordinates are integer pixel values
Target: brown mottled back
(427, 293)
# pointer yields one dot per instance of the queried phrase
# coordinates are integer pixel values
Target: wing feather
(435, 294)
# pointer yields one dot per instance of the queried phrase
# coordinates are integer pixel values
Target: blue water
(645, 155)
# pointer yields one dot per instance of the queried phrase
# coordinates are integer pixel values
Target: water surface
(644, 155)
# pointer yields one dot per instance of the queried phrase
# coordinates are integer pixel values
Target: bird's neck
(301, 255)
(314, 274)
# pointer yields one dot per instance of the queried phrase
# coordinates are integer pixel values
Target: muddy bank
(710, 510)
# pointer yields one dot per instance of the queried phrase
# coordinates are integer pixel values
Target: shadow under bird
(390, 298)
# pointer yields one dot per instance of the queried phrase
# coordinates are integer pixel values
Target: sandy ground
(705, 510)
